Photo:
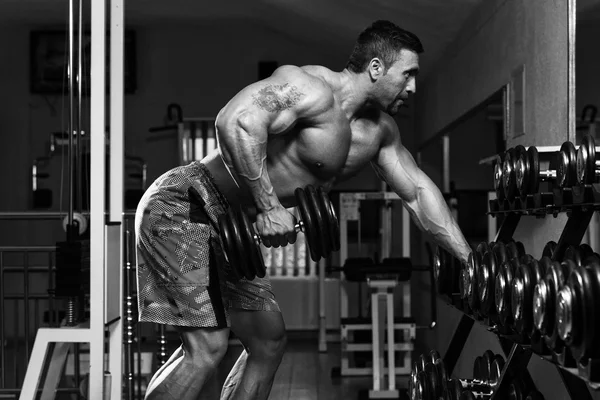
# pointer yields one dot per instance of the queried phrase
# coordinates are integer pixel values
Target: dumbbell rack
(579, 203)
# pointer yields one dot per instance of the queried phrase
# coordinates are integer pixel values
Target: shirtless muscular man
(301, 126)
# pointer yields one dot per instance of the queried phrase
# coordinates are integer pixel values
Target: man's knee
(271, 348)
(204, 347)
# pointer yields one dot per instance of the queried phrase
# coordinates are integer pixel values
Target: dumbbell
(432, 382)
(566, 168)
(546, 292)
(418, 367)
(445, 270)
(318, 222)
(503, 286)
(588, 166)
(528, 174)
(526, 277)
(498, 186)
(577, 319)
(509, 170)
(492, 260)
(469, 287)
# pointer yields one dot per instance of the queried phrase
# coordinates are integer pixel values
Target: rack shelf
(579, 203)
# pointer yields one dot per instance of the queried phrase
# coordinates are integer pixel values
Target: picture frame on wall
(49, 61)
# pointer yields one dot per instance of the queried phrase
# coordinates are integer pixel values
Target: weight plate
(567, 164)
(473, 295)
(586, 251)
(583, 313)
(496, 369)
(423, 386)
(487, 359)
(421, 361)
(499, 250)
(333, 223)
(500, 289)
(528, 277)
(229, 246)
(512, 250)
(516, 296)
(455, 389)
(255, 259)
(311, 231)
(556, 281)
(478, 369)
(522, 174)
(433, 356)
(534, 170)
(498, 181)
(549, 249)
(241, 245)
(592, 265)
(320, 219)
(519, 152)
(586, 160)
(573, 253)
(441, 373)
(508, 173)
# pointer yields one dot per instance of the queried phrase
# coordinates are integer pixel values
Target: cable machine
(97, 256)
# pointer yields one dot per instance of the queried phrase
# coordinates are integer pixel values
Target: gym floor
(305, 373)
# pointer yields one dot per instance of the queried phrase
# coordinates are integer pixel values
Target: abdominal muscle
(285, 178)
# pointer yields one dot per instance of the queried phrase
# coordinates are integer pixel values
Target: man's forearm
(244, 150)
(432, 215)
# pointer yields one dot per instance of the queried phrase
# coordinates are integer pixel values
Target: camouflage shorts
(182, 274)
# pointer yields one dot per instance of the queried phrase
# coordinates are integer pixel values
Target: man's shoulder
(318, 77)
(310, 82)
(383, 127)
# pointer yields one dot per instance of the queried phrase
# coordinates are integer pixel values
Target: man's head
(388, 54)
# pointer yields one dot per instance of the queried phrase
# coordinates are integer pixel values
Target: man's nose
(411, 87)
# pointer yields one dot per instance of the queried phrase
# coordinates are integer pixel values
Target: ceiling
(330, 24)
(326, 23)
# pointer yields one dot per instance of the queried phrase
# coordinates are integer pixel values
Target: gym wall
(499, 37)
(200, 66)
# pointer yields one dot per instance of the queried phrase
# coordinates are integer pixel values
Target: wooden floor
(305, 374)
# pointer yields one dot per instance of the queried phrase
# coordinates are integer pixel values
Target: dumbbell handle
(299, 227)
(483, 387)
(548, 174)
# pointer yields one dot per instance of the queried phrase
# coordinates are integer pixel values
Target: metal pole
(97, 203)
(78, 130)
(71, 118)
(114, 273)
(572, 19)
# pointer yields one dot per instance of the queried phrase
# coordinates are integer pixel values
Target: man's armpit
(275, 98)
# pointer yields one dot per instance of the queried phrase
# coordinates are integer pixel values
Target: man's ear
(376, 69)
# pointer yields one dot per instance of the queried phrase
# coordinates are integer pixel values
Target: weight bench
(382, 279)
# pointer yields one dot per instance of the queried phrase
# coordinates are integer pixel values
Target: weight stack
(72, 268)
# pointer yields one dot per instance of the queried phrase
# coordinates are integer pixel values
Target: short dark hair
(382, 39)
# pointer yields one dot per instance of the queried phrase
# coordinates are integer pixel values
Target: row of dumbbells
(517, 172)
(429, 380)
(554, 300)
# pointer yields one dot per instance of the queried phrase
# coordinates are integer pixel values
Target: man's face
(399, 81)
